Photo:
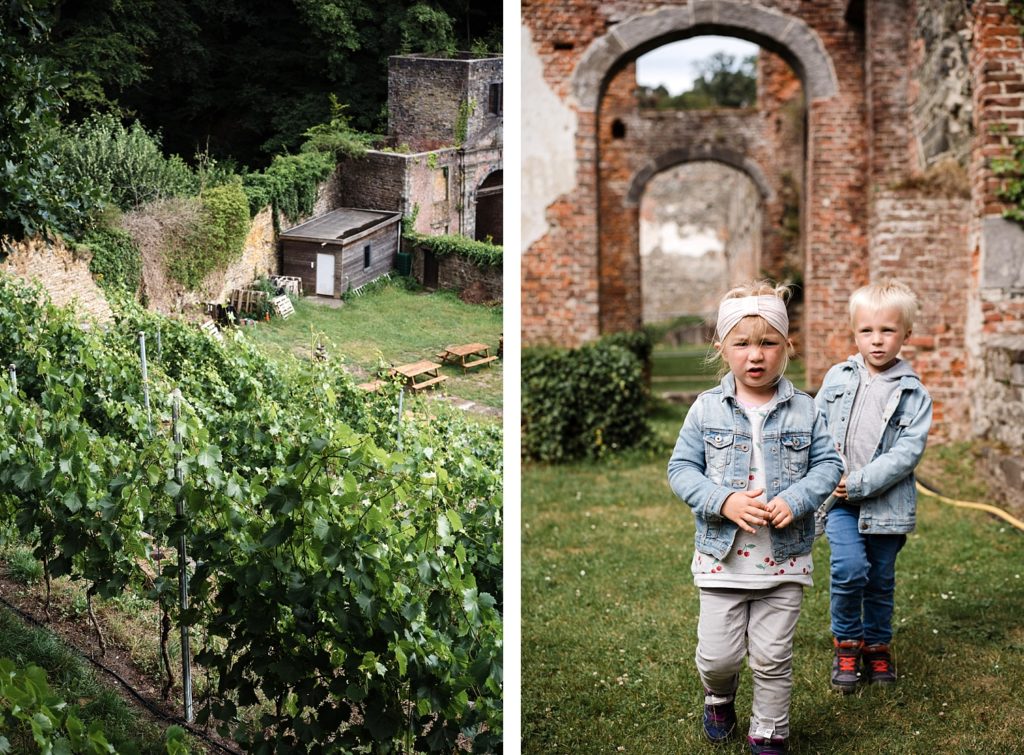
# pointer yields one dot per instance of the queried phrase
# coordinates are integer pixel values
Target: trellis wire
(13, 372)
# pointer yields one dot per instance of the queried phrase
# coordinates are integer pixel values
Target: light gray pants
(761, 623)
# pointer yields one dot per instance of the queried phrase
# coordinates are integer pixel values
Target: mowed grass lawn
(609, 616)
(397, 326)
(684, 369)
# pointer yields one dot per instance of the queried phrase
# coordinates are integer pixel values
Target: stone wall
(457, 273)
(700, 234)
(63, 274)
(425, 95)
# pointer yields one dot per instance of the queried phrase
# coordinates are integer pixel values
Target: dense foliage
(582, 403)
(32, 198)
(480, 252)
(31, 713)
(122, 165)
(243, 80)
(216, 240)
(724, 81)
(116, 261)
(348, 560)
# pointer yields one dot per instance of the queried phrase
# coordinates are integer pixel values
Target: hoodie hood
(899, 370)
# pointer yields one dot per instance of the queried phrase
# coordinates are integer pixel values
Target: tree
(31, 200)
(724, 81)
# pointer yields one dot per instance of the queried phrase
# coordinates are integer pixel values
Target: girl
(753, 460)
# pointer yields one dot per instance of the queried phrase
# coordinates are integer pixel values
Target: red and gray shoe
(878, 665)
(846, 665)
(773, 746)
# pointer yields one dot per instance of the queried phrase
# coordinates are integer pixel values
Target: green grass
(684, 369)
(609, 616)
(396, 326)
(70, 677)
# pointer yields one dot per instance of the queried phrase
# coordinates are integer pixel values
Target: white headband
(771, 308)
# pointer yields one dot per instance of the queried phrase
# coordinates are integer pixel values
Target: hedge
(582, 403)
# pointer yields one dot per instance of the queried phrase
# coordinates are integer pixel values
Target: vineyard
(343, 559)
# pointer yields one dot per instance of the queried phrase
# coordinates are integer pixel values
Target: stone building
(442, 164)
(902, 106)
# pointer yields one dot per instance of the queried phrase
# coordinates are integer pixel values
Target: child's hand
(779, 513)
(840, 491)
(745, 510)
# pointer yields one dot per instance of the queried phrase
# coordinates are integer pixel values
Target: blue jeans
(863, 578)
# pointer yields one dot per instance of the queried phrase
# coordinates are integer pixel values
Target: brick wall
(571, 291)
(62, 273)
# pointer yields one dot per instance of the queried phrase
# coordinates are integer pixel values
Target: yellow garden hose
(972, 505)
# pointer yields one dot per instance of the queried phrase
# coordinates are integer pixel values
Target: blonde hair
(761, 327)
(885, 294)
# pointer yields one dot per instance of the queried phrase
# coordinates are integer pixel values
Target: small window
(618, 129)
(495, 99)
(366, 256)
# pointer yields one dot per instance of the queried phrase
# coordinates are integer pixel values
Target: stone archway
(489, 208)
(602, 293)
(785, 35)
(674, 157)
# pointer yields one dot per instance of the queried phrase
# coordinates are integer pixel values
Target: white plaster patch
(685, 240)
(548, 146)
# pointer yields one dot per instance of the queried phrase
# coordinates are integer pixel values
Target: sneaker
(844, 665)
(878, 665)
(719, 721)
(773, 746)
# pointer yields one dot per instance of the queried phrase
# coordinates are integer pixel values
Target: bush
(289, 184)
(217, 240)
(582, 403)
(124, 165)
(479, 252)
(116, 261)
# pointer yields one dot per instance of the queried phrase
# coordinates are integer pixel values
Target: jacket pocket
(717, 452)
(796, 448)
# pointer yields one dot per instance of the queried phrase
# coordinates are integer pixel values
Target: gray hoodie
(866, 418)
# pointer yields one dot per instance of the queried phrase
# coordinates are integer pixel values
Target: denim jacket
(883, 488)
(712, 457)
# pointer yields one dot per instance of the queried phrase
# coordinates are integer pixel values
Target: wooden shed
(342, 250)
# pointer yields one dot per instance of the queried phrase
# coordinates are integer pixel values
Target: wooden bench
(283, 306)
(419, 375)
(477, 362)
(467, 355)
(428, 383)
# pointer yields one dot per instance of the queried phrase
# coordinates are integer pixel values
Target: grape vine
(348, 591)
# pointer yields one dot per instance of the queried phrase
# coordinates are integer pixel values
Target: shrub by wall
(479, 252)
(582, 403)
(217, 240)
(116, 261)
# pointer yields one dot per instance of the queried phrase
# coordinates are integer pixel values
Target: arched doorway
(488, 209)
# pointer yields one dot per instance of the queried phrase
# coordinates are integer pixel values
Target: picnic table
(467, 355)
(419, 375)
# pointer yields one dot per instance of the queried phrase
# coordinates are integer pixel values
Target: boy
(878, 414)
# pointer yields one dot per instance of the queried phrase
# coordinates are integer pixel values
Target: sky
(672, 65)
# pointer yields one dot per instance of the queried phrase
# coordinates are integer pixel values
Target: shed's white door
(325, 274)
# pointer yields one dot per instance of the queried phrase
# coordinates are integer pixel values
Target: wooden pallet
(246, 299)
(210, 328)
(283, 306)
(290, 283)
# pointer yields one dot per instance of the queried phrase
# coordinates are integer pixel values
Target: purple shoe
(719, 721)
(773, 746)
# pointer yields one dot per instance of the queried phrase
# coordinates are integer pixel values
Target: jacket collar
(728, 385)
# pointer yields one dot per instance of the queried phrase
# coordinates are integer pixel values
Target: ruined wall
(457, 273)
(425, 95)
(700, 230)
(576, 49)
(63, 273)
